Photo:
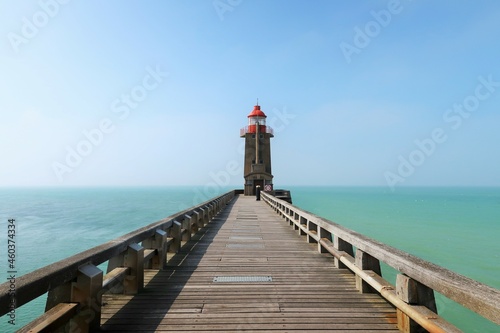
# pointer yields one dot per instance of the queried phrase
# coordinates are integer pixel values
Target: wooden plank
(52, 319)
(307, 293)
(114, 277)
(257, 327)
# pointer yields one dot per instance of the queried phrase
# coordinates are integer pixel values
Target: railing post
(157, 242)
(415, 293)
(86, 292)
(341, 245)
(203, 215)
(194, 222)
(199, 219)
(366, 262)
(176, 235)
(186, 225)
(209, 213)
(134, 258)
(212, 210)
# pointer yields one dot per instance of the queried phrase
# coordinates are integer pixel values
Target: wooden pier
(247, 270)
(237, 264)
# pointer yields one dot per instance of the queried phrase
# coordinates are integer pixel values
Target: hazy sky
(385, 93)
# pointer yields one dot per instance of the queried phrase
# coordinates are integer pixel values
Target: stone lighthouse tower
(257, 171)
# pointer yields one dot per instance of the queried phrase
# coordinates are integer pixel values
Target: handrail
(53, 276)
(472, 294)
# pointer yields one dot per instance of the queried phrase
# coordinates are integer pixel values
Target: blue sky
(385, 93)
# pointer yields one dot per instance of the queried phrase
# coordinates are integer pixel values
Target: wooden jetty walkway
(234, 263)
(247, 270)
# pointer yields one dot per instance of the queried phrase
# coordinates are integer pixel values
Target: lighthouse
(257, 134)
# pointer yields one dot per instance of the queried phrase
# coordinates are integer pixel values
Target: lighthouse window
(253, 136)
(261, 136)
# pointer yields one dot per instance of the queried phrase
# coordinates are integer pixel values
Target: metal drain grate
(236, 279)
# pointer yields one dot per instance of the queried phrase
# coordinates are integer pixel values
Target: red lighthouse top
(257, 112)
(256, 123)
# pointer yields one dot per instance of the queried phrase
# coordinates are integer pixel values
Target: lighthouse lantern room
(257, 134)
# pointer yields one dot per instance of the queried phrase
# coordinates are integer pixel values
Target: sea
(454, 227)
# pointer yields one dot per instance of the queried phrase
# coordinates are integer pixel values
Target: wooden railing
(413, 295)
(75, 285)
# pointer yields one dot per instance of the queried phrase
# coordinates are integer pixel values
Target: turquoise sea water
(457, 228)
